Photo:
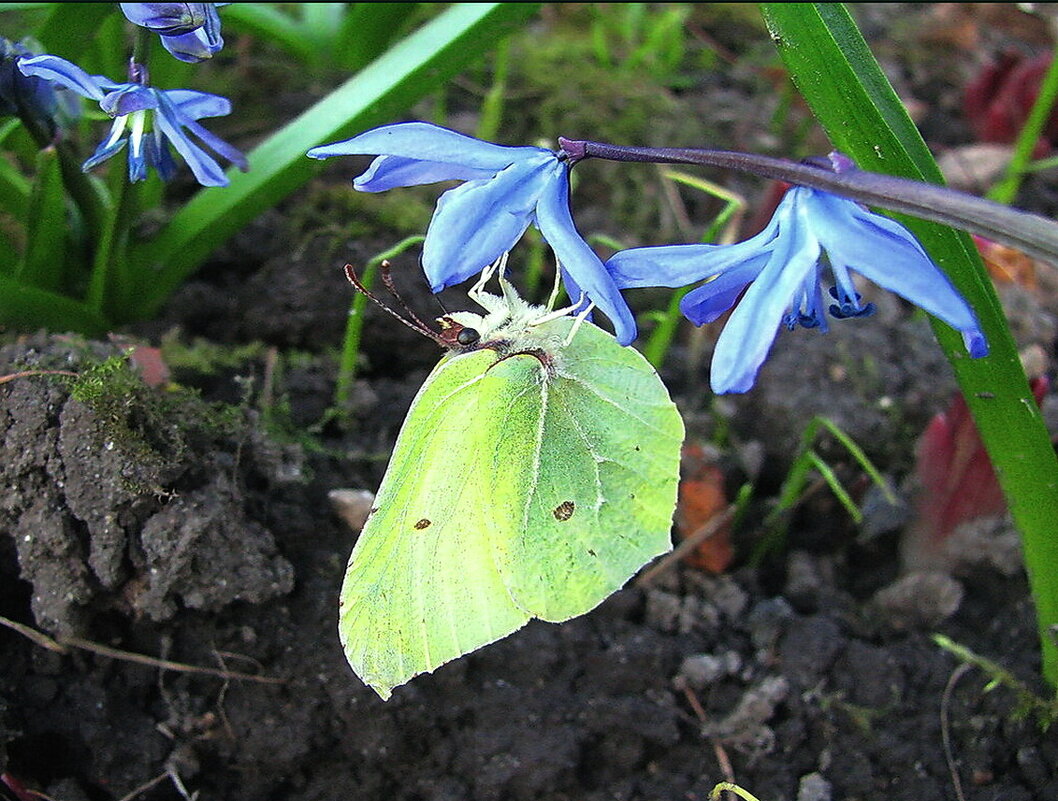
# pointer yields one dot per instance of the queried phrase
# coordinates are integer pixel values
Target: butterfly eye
(468, 336)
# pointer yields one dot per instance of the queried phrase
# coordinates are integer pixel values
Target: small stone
(988, 541)
(805, 579)
(813, 787)
(663, 610)
(726, 595)
(766, 622)
(352, 506)
(745, 724)
(918, 600)
(700, 670)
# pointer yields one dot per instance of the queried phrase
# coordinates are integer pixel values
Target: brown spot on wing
(424, 523)
(564, 511)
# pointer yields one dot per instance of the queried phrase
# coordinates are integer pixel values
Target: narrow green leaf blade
(268, 22)
(26, 308)
(68, 30)
(43, 262)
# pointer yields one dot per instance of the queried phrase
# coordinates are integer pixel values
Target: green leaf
(26, 308)
(278, 166)
(850, 96)
(268, 22)
(533, 477)
(14, 189)
(367, 30)
(68, 30)
(43, 263)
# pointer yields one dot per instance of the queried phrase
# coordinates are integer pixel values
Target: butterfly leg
(477, 291)
(581, 317)
(554, 315)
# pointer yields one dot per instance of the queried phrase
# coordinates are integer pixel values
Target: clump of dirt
(120, 497)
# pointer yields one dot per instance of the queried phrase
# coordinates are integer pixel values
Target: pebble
(918, 600)
(813, 787)
(701, 670)
(352, 506)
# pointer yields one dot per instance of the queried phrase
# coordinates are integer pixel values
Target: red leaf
(956, 481)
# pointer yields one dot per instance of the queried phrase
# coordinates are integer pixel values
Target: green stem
(354, 325)
(104, 286)
(1007, 188)
(141, 47)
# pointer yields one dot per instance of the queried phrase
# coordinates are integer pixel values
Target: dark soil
(191, 522)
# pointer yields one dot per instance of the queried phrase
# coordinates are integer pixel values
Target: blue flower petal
(168, 19)
(68, 74)
(747, 337)
(159, 157)
(206, 170)
(127, 99)
(194, 47)
(109, 146)
(710, 300)
(577, 258)
(680, 265)
(189, 31)
(480, 220)
(675, 265)
(391, 172)
(427, 142)
(198, 105)
(886, 253)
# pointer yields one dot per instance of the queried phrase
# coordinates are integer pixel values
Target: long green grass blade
(367, 30)
(268, 22)
(278, 166)
(14, 191)
(43, 262)
(850, 96)
(27, 307)
(68, 30)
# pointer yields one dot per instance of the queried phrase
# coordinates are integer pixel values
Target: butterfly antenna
(415, 323)
(387, 280)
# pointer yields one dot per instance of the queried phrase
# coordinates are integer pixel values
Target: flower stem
(1035, 235)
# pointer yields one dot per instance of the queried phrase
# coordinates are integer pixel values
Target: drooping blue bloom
(505, 190)
(148, 120)
(190, 31)
(781, 266)
(23, 95)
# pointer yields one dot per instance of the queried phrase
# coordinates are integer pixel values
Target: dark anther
(847, 307)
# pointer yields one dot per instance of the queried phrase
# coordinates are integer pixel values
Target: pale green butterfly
(534, 475)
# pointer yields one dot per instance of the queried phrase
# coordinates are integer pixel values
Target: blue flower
(148, 120)
(781, 266)
(190, 31)
(506, 189)
(22, 95)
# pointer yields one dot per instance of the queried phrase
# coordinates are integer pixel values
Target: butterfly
(534, 475)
